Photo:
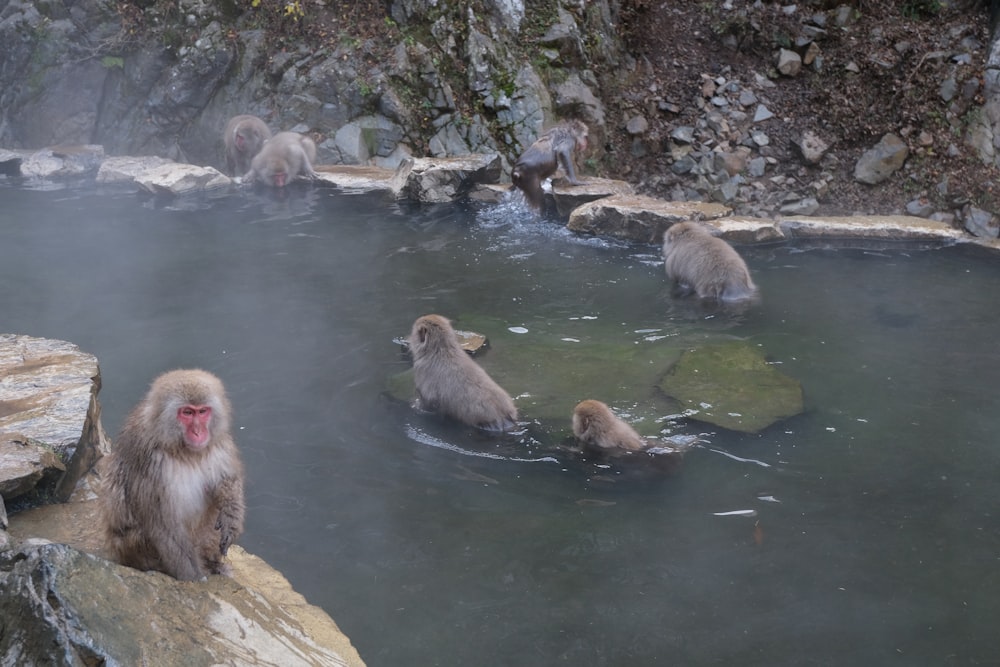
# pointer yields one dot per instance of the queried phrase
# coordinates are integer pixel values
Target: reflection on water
(863, 531)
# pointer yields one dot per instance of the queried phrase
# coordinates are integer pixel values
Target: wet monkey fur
(553, 149)
(450, 383)
(705, 264)
(243, 138)
(172, 496)
(594, 424)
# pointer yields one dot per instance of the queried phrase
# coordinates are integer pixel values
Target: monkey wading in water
(172, 496)
(449, 382)
(554, 148)
(705, 264)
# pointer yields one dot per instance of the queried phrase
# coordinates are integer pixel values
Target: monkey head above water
(594, 424)
(172, 497)
(450, 383)
(705, 264)
(243, 138)
(554, 148)
(283, 158)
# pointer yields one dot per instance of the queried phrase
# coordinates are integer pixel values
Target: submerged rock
(733, 386)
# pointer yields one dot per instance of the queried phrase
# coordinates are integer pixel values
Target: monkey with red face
(173, 484)
(242, 139)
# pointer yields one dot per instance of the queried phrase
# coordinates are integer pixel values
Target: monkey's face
(195, 422)
(279, 178)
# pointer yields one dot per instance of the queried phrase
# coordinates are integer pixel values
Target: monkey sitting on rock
(172, 497)
(242, 139)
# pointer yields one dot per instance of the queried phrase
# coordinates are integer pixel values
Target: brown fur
(284, 157)
(166, 506)
(449, 382)
(594, 424)
(243, 138)
(554, 148)
(705, 264)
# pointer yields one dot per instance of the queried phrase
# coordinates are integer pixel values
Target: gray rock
(811, 147)
(881, 161)
(64, 607)
(445, 179)
(920, 207)
(805, 206)
(181, 179)
(637, 125)
(125, 169)
(638, 218)
(49, 392)
(981, 223)
(683, 134)
(789, 62)
(58, 161)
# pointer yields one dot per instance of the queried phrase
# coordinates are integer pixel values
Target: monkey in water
(243, 138)
(554, 148)
(173, 484)
(450, 383)
(594, 424)
(283, 157)
(705, 264)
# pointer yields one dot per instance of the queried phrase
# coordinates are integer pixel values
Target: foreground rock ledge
(62, 606)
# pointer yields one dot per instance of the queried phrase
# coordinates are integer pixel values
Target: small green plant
(110, 62)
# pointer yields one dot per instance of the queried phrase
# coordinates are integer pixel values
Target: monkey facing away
(243, 138)
(172, 496)
(554, 148)
(594, 424)
(705, 264)
(450, 383)
(283, 158)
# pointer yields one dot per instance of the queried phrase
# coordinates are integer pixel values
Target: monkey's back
(449, 382)
(706, 263)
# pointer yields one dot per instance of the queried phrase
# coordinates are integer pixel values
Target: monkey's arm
(565, 157)
(229, 497)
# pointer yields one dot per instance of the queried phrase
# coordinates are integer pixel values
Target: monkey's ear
(422, 333)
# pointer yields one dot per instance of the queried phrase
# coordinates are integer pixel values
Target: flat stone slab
(638, 217)
(179, 179)
(356, 178)
(732, 385)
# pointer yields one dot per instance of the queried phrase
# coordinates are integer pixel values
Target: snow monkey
(284, 157)
(243, 137)
(554, 148)
(705, 264)
(594, 424)
(449, 382)
(173, 484)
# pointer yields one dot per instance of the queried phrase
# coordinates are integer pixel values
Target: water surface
(875, 539)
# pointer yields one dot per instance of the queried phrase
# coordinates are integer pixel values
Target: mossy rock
(733, 386)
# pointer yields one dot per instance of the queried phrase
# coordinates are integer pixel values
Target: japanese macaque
(595, 425)
(284, 157)
(450, 383)
(705, 264)
(173, 484)
(243, 138)
(554, 148)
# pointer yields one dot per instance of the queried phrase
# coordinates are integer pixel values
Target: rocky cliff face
(765, 108)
